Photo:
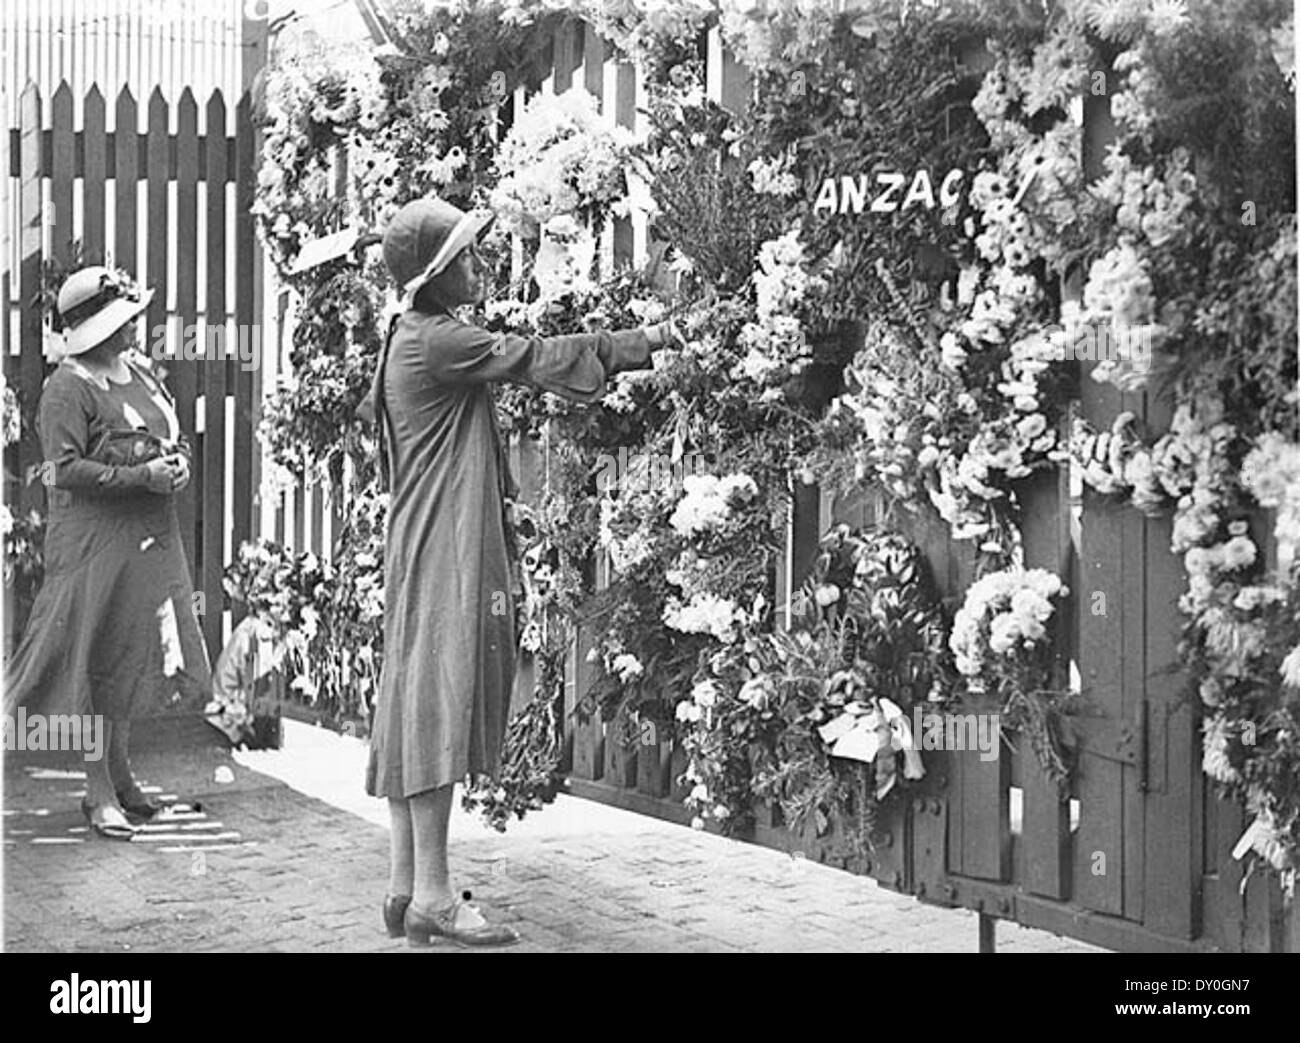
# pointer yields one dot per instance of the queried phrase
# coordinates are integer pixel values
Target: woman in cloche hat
(112, 631)
(449, 642)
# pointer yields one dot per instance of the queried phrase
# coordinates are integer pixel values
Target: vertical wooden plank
(654, 758)
(985, 809)
(126, 194)
(956, 841)
(804, 528)
(248, 382)
(94, 177)
(620, 752)
(964, 791)
(1257, 930)
(624, 116)
(566, 45)
(1111, 643)
(185, 383)
(587, 736)
(31, 261)
(1221, 908)
(1174, 802)
(1133, 671)
(593, 62)
(588, 733)
(249, 43)
(1045, 833)
(62, 173)
(315, 540)
(298, 516)
(215, 522)
(736, 83)
(6, 221)
(1099, 852)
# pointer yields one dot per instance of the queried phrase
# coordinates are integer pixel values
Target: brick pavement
(294, 872)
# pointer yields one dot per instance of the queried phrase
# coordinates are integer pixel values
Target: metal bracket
(1114, 739)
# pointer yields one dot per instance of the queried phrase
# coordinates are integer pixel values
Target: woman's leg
(99, 779)
(401, 860)
(430, 815)
(119, 761)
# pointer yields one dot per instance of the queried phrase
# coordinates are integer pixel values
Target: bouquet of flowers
(1002, 646)
(561, 157)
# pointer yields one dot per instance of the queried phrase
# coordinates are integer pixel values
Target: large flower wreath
(816, 719)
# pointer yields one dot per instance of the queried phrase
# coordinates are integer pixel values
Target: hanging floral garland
(933, 328)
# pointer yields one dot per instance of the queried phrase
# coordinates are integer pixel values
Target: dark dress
(113, 629)
(449, 642)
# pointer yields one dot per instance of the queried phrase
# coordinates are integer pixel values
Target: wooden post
(185, 383)
(95, 151)
(32, 257)
(248, 323)
(1045, 833)
(126, 184)
(213, 376)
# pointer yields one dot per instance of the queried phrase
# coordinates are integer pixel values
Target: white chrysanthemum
(705, 614)
(705, 694)
(627, 667)
(706, 502)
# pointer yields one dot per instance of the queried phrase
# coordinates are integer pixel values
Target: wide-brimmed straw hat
(96, 302)
(425, 236)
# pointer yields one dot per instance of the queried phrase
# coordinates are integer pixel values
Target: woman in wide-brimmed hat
(112, 631)
(449, 641)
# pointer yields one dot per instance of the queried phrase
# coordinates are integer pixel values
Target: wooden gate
(171, 204)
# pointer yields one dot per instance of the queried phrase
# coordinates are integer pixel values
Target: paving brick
(573, 879)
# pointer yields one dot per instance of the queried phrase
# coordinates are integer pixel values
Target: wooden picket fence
(172, 207)
(1138, 855)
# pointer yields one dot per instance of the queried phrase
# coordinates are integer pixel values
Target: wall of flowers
(882, 266)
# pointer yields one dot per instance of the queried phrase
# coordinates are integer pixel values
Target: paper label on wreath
(834, 730)
(1253, 832)
(860, 744)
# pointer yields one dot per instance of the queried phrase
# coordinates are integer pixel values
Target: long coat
(112, 630)
(449, 638)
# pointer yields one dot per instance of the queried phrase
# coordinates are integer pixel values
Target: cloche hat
(96, 302)
(425, 236)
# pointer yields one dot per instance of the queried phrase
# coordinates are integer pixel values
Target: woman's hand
(665, 335)
(161, 474)
(181, 472)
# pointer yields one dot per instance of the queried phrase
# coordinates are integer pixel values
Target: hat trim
(468, 229)
(96, 329)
